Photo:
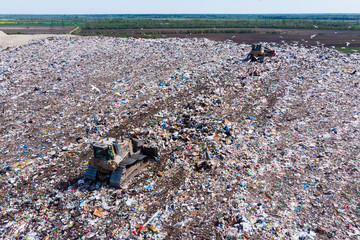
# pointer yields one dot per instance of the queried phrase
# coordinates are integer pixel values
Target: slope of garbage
(282, 138)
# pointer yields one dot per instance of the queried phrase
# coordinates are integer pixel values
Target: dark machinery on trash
(119, 160)
(204, 161)
(258, 53)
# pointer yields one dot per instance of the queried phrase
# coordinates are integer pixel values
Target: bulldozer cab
(103, 151)
(256, 47)
(257, 50)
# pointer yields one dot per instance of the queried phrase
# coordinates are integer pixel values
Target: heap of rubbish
(246, 150)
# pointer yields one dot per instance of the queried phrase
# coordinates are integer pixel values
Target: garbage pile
(246, 150)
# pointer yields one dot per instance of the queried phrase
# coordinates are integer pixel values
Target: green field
(348, 49)
(247, 28)
(41, 20)
(219, 23)
(282, 21)
(170, 21)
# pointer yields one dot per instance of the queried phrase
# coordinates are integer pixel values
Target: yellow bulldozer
(118, 160)
(258, 53)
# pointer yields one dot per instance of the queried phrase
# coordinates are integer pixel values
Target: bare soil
(337, 38)
(15, 40)
(36, 29)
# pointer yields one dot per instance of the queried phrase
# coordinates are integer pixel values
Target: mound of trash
(247, 150)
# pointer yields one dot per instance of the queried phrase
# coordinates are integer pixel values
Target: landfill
(247, 150)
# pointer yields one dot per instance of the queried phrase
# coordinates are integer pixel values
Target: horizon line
(180, 14)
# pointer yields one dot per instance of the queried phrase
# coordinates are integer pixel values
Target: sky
(177, 7)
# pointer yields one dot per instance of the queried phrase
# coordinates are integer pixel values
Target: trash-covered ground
(283, 137)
